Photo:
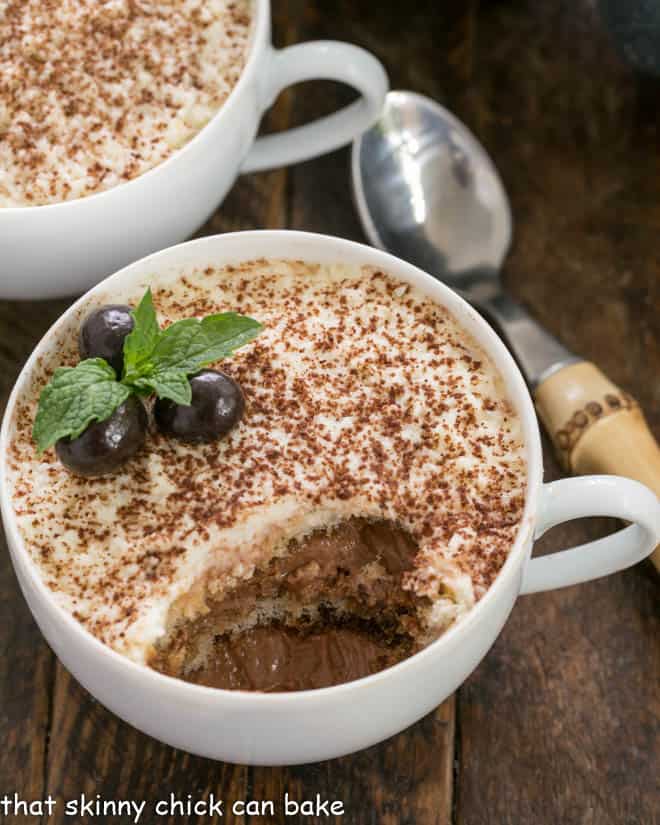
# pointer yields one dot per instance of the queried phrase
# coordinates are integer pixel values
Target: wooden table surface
(560, 722)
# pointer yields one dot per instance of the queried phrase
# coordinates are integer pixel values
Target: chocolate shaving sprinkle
(364, 399)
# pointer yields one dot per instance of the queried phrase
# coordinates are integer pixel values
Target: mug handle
(324, 60)
(602, 495)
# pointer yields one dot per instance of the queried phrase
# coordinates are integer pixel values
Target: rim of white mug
(493, 346)
(260, 28)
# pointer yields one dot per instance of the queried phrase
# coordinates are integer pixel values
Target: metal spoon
(427, 191)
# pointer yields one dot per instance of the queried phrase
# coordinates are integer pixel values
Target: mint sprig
(156, 361)
(141, 340)
(74, 398)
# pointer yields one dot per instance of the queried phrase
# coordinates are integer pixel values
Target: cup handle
(324, 60)
(601, 495)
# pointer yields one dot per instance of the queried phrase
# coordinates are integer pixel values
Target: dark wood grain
(560, 723)
(26, 663)
(406, 780)
(93, 752)
(575, 136)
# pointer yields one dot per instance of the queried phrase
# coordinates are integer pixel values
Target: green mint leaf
(188, 345)
(74, 397)
(167, 384)
(141, 341)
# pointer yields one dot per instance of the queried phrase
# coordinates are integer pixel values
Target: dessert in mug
(363, 496)
(94, 93)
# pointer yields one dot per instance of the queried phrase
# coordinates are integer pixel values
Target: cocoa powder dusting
(96, 92)
(363, 399)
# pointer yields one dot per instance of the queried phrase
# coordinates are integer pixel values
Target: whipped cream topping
(96, 92)
(364, 398)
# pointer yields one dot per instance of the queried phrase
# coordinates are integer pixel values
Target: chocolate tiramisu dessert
(321, 503)
(96, 92)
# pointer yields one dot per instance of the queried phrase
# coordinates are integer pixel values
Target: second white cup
(64, 248)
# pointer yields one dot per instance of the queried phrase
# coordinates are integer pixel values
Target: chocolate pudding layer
(331, 610)
(278, 658)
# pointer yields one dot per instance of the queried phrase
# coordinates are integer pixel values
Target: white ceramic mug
(65, 248)
(292, 728)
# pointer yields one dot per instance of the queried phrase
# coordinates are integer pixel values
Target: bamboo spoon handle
(597, 428)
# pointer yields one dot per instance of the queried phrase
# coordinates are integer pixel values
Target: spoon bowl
(427, 191)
